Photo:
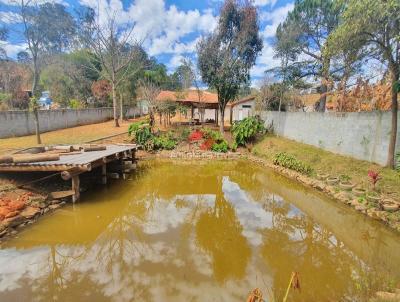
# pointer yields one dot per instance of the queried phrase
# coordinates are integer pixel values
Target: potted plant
(359, 191)
(374, 178)
(322, 176)
(345, 183)
(332, 180)
(373, 197)
(389, 205)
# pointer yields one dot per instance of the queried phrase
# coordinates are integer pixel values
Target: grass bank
(330, 163)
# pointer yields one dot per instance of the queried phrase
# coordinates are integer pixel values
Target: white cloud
(35, 2)
(175, 61)
(266, 60)
(274, 18)
(9, 18)
(264, 2)
(12, 49)
(161, 28)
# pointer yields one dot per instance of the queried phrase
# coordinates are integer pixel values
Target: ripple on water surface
(198, 231)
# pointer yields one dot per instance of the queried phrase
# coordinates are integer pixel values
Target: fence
(362, 135)
(21, 122)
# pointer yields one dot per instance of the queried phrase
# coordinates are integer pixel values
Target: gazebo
(200, 100)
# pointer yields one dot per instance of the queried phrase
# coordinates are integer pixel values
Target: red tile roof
(190, 96)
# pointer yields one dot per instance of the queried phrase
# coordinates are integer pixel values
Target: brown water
(199, 231)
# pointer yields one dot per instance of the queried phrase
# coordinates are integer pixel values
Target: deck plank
(84, 158)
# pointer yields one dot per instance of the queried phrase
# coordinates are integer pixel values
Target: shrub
(246, 130)
(398, 162)
(141, 132)
(212, 134)
(207, 144)
(291, 162)
(222, 146)
(143, 135)
(135, 126)
(196, 135)
(185, 134)
(164, 142)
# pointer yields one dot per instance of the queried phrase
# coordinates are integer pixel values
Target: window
(246, 106)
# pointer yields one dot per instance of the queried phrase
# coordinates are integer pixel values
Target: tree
(116, 50)
(303, 35)
(185, 74)
(46, 28)
(149, 91)
(192, 77)
(226, 56)
(101, 90)
(375, 24)
(3, 37)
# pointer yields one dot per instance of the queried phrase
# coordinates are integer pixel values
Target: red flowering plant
(374, 178)
(196, 135)
(207, 144)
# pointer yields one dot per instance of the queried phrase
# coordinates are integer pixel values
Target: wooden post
(104, 174)
(75, 188)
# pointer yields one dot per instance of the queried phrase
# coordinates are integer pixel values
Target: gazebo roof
(190, 97)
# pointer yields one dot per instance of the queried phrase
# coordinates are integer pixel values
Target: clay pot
(322, 176)
(347, 186)
(374, 199)
(332, 181)
(359, 192)
(389, 205)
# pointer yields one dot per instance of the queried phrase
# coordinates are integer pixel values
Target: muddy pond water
(199, 231)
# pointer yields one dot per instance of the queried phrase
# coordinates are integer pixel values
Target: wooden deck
(83, 160)
(72, 164)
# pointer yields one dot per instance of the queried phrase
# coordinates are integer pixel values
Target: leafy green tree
(158, 74)
(46, 28)
(300, 41)
(375, 24)
(226, 56)
(184, 75)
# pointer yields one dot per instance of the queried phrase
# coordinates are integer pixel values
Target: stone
(13, 221)
(386, 296)
(30, 212)
(11, 214)
(342, 196)
(361, 208)
(54, 206)
(373, 213)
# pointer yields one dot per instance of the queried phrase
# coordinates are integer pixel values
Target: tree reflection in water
(219, 232)
(212, 232)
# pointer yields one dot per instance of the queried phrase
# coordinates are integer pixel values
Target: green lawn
(331, 163)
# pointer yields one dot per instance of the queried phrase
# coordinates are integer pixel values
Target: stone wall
(21, 122)
(362, 135)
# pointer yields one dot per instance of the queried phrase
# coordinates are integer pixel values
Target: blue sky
(170, 29)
